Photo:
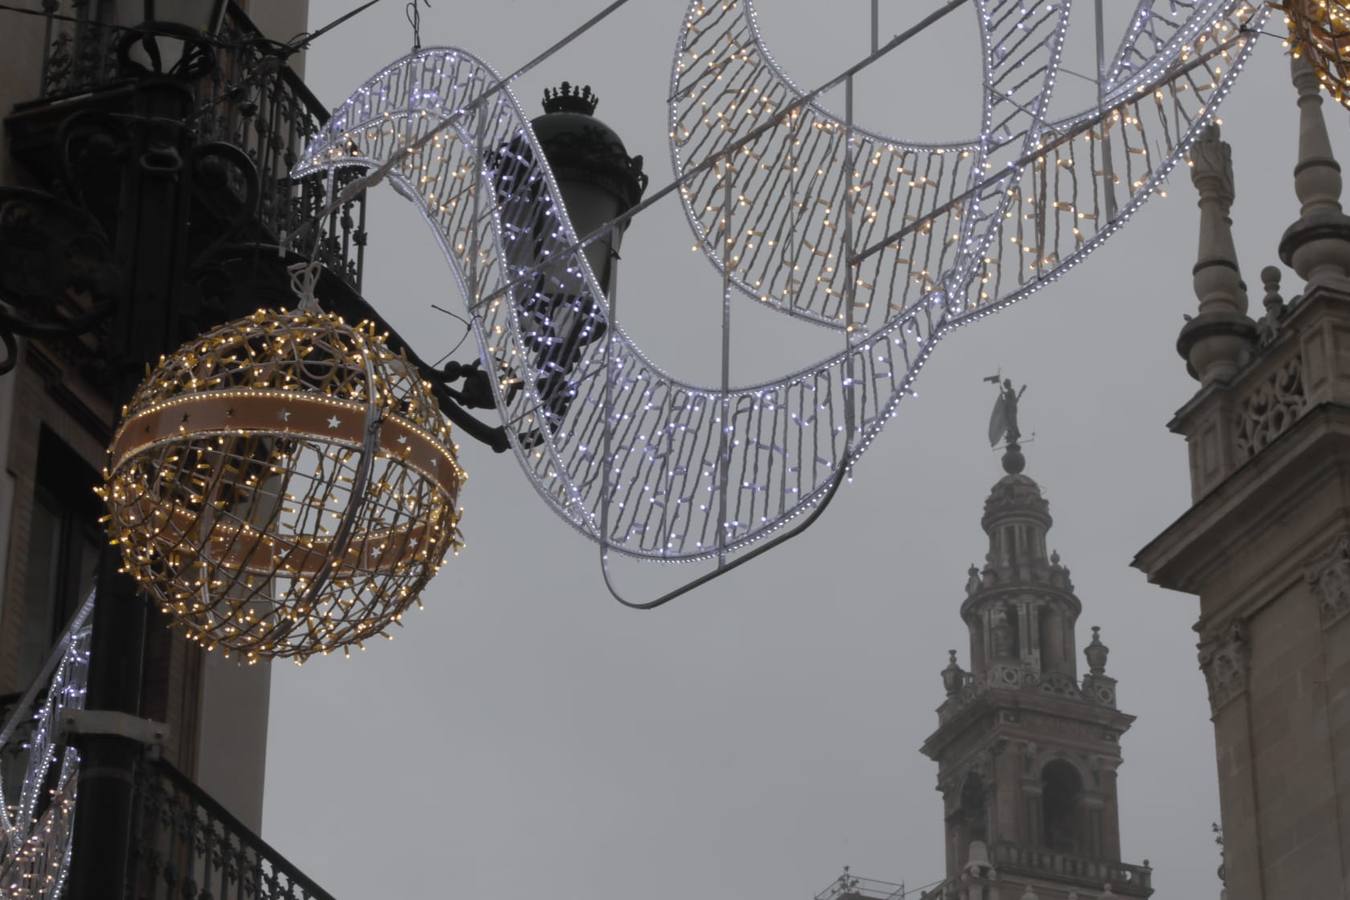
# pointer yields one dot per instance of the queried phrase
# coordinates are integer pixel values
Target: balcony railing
(1095, 689)
(185, 844)
(1126, 880)
(248, 98)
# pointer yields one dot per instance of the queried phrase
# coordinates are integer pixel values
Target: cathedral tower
(1027, 751)
(1265, 544)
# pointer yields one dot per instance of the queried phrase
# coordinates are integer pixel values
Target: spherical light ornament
(283, 485)
(1319, 30)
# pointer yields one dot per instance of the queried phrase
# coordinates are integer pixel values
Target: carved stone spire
(1218, 341)
(1318, 244)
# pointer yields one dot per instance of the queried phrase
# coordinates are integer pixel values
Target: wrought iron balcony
(184, 843)
(245, 96)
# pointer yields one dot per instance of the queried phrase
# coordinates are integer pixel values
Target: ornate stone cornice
(1329, 578)
(1225, 659)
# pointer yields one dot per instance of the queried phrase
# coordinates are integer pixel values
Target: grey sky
(526, 737)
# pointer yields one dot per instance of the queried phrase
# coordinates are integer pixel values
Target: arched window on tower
(1061, 788)
(974, 813)
(1051, 639)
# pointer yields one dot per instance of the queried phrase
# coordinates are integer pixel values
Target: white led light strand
(37, 825)
(944, 235)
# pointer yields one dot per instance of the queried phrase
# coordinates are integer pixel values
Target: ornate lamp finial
(953, 676)
(1096, 652)
(1268, 326)
(1218, 341)
(567, 98)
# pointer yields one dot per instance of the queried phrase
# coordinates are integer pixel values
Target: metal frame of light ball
(283, 485)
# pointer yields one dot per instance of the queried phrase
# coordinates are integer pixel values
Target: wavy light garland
(892, 243)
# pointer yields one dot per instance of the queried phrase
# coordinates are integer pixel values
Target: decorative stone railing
(1297, 367)
(1094, 874)
(1004, 676)
(1268, 407)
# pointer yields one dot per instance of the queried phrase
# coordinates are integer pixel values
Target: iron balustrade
(185, 844)
(247, 97)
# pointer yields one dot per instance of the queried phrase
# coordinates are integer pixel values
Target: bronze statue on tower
(1003, 424)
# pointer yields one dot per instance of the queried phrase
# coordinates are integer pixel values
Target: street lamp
(598, 182)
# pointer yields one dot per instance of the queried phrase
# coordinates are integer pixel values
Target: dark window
(1060, 790)
(63, 546)
(974, 812)
(1053, 654)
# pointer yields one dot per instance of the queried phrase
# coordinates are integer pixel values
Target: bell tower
(1027, 751)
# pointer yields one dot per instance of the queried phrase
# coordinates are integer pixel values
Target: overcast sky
(526, 737)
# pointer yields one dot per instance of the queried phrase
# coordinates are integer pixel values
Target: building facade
(143, 195)
(1266, 542)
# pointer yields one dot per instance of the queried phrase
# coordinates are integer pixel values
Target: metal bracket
(110, 722)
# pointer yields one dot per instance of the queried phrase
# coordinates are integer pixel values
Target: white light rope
(990, 221)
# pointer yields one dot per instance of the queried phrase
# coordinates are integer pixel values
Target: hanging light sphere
(1319, 30)
(283, 485)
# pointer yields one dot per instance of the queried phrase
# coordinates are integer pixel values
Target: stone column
(1225, 658)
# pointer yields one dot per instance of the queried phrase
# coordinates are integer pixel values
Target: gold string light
(283, 485)
(1319, 30)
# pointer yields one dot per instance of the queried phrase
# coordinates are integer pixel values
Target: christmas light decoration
(891, 243)
(1320, 31)
(283, 485)
(37, 821)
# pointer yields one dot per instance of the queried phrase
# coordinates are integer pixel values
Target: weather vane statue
(1003, 424)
